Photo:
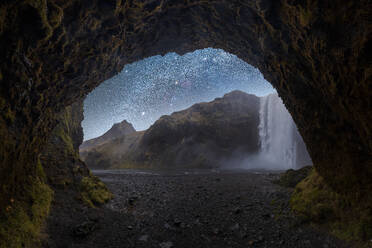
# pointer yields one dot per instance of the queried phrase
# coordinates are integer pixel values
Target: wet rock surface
(189, 209)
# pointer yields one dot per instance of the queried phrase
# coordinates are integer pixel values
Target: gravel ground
(188, 209)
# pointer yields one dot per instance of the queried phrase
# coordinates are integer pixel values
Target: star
(159, 85)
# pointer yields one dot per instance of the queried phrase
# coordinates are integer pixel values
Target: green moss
(292, 177)
(317, 203)
(94, 192)
(60, 132)
(62, 182)
(21, 225)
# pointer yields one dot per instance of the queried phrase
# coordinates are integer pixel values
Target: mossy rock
(21, 224)
(292, 177)
(94, 192)
(344, 217)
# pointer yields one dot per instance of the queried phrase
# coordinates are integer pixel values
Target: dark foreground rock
(188, 209)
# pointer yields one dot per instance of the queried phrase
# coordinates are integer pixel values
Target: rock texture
(64, 170)
(75, 188)
(60, 158)
(204, 136)
(199, 210)
(315, 53)
(317, 203)
(67, 175)
(63, 182)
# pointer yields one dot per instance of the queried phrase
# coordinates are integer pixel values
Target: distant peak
(124, 125)
(117, 130)
(237, 94)
(125, 122)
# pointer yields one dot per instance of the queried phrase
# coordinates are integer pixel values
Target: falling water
(280, 142)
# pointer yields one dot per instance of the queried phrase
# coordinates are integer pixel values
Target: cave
(315, 54)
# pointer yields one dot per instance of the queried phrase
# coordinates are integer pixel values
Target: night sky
(156, 86)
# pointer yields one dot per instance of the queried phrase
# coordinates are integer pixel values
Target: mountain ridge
(117, 130)
(199, 136)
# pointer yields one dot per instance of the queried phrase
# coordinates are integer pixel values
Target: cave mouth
(143, 92)
(74, 46)
(314, 54)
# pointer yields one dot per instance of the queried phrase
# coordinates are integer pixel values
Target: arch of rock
(54, 52)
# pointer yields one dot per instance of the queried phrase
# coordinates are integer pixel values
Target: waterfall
(280, 142)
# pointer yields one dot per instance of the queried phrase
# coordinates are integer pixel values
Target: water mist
(281, 145)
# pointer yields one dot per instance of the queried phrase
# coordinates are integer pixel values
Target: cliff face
(67, 175)
(200, 136)
(204, 134)
(63, 183)
(314, 53)
(60, 156)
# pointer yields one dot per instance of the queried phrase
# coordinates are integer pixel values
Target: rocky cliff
(75, 188)
(203, 136)
(64, 184)
(64, 170)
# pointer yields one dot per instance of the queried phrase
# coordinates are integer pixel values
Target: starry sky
(145, 90)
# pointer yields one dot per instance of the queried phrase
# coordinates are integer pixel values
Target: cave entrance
(313, 54)
(244, 124)
(172, 162)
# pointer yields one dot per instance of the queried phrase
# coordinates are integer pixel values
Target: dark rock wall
(315, 53)
(67, 175)
(76, 190)
(60, 157)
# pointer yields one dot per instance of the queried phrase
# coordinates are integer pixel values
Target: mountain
(117, 130)
(203, 135)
